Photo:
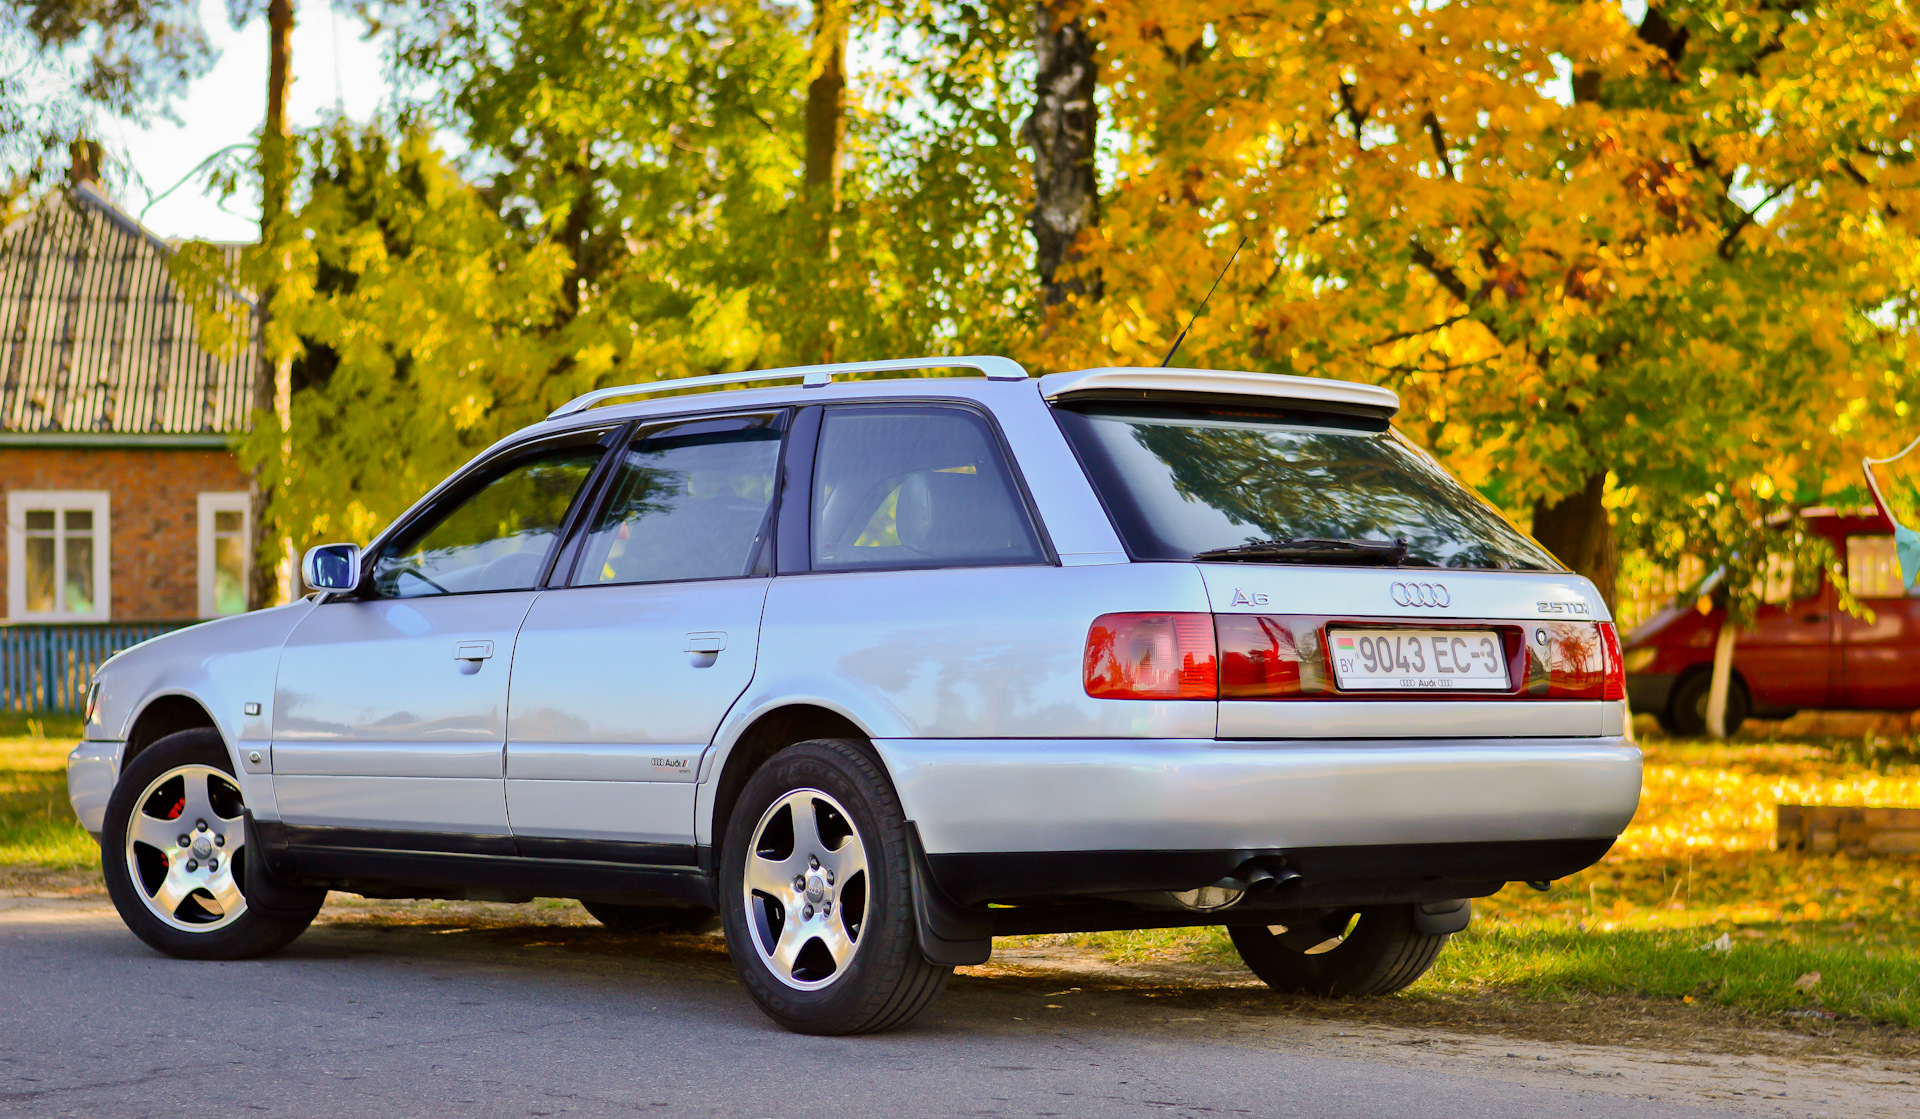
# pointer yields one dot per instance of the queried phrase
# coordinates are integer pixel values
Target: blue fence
(48, 667)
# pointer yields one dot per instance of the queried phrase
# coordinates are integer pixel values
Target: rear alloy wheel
(816, 895)
(1371, 950)
(174, 854)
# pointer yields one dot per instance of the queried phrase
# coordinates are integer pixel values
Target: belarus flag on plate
(1343, 642)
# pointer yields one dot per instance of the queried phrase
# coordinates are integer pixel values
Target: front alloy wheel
(183, 848)
(174, 853)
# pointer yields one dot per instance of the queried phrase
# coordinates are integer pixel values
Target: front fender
(220, 665)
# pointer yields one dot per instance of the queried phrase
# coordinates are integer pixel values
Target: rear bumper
(1159, 801)
(1376, 874)
(92, 768)
(1348, 822)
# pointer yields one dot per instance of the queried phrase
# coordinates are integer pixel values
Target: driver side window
(496, 538)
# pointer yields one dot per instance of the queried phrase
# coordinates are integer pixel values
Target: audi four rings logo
(1421, 594)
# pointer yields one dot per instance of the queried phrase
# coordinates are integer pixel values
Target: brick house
(124, 502)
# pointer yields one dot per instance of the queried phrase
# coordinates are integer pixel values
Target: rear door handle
(1811, 618)
(473, 650)
(706, 641)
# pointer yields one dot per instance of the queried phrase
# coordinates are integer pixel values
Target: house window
(223, 554)
(57, 545)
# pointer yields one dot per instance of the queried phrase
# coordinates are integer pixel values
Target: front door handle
(469, 654)
(1809, 619)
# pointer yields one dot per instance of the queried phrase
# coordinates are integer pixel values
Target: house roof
(94, 338)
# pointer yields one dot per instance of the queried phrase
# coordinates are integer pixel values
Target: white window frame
(211, 503)
(100, 503)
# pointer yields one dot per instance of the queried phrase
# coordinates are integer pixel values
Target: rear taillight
(1615, 686)
(1270, 657)
(1573, 660)
(1151, 656)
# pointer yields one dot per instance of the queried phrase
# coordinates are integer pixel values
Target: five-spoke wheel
(805, 888)
(817, 894)
(184, 845)
(175, 856)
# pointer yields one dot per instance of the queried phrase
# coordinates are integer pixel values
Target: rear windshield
(1184, 479)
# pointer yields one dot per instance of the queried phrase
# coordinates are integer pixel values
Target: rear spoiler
(1269, 389)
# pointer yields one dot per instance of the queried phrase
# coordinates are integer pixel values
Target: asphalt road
(360, 1020)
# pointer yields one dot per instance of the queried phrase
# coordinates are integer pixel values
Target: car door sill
(383, 863)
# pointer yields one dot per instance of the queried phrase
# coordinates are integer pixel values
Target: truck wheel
(1372, 950)
(1688, 707)
(816, 895)
(652, 918)
(174, 854)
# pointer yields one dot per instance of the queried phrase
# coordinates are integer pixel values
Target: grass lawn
(37, 828)
(1693, 903)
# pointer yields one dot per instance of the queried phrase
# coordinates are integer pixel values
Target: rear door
(624, 670)
(1879, 659)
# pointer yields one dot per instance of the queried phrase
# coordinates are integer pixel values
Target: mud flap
(951, 934)
(267, 891)
(1437, 918)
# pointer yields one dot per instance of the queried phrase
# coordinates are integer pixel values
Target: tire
(652, 918)
(824, 814)
(1687, 709)
(1381, 952)
(210, 919)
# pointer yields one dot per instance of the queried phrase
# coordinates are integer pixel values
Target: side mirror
(332, 567)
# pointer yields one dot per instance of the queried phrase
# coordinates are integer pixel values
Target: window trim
(220, 501)
(459, 486)
(566, 568)
(1048, 556)
(100, 504)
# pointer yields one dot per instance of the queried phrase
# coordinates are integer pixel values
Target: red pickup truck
(1801, 654)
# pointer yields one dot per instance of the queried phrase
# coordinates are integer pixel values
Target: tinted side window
(496, 539)
(690, 502)
(914, 487)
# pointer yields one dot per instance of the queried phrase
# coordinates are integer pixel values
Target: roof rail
(810, 376)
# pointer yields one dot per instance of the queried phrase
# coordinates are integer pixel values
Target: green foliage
(1576, 245)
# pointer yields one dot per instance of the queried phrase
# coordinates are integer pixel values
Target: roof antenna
(1203, 302)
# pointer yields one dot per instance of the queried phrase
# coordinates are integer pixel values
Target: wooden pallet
(1822, 829)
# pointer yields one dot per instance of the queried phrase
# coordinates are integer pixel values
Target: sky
(332, 66)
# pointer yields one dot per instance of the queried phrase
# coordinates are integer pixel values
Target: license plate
(1418, 660)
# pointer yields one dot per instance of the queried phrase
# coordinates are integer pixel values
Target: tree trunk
(1722, 679)
(1577, 531)
(270, 577)
(818, 340)
(826, 103)
(1062, 132)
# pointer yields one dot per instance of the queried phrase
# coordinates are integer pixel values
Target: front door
(622, 676)
(391, 705)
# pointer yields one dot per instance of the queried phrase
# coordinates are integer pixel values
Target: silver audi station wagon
(875, 671)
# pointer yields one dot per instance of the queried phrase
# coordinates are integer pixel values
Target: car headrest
(955, 516)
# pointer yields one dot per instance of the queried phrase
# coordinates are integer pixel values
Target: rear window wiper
(1378, 553)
